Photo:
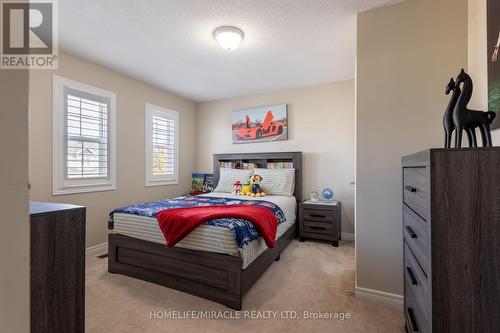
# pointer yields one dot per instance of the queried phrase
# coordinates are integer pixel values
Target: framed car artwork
(261, 124)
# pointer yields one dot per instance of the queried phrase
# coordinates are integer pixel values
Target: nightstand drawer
(318, 215)
(320, 221)
(318, 227)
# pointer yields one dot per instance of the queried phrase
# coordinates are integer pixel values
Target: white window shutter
(83, 141)
(86, 137)
(162, 133)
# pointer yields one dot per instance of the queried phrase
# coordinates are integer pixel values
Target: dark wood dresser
(57, 267)
(451, 227)
(320, 221)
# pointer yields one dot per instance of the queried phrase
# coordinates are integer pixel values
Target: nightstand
(320, 221)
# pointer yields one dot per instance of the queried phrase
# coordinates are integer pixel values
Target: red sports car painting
(260, 124)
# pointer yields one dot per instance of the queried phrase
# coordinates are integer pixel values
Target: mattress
(207, 237)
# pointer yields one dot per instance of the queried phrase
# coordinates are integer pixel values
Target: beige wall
(14, 226)
(321, 126)
(478, 58)
(406, 55)
(131, 98)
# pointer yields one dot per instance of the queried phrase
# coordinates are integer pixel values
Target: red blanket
(177, 223)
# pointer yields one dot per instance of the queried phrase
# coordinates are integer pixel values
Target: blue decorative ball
(327, 194)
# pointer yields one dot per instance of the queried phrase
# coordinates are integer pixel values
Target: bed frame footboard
(213, 276)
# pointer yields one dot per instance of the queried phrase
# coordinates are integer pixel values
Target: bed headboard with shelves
(262, 160)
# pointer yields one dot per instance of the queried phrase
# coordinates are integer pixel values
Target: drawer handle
(413, 322)
(410, 189)
(317, 228)
(411, 232)
(412, 276)
(315, 215)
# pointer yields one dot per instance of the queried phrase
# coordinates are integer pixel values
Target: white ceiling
(169, 44)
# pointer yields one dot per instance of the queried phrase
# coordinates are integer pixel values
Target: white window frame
(155, 110)
(60, 184)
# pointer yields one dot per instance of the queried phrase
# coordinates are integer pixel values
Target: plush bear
(256, 190)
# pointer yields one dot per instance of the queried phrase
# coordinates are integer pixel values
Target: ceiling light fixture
(229, 38)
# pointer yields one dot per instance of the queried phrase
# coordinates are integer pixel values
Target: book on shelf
(249, 166)
(230, 165)
(280, 165)
(238, 165)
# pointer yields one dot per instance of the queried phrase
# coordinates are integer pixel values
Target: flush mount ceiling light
(229, 38)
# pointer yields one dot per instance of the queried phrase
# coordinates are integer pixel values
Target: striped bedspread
(243, 231)
(204, 238)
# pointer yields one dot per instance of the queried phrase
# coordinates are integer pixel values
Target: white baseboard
(392, 300)
(347, 236)
(97, 249)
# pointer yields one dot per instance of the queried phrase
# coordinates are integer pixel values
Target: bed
(206, 263)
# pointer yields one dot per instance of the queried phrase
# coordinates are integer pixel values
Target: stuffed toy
(236, 187)
(246, 188)
(256, 190)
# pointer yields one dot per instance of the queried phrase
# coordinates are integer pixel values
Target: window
(83, 140)
(162, 142)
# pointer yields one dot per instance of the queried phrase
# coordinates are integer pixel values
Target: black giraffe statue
(463, 118)
(448, 117)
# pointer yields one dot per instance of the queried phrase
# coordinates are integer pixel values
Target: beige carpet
(311, 276)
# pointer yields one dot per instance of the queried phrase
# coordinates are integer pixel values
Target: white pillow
(228, 176)
(277, 181)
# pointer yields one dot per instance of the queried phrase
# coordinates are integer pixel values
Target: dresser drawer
(318, 215)
(415, 318)
(416, 234)
(318, 227)
(416, 190)
(417, 282)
